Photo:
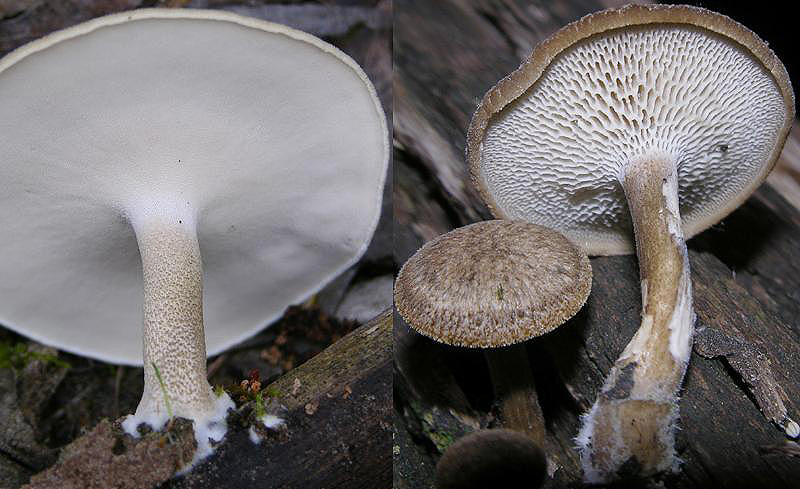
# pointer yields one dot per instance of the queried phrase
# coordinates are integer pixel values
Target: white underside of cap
(553, 155)
(185, 107)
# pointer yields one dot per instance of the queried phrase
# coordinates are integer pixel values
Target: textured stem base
(175, 383)
(174, 339)
(629, 431)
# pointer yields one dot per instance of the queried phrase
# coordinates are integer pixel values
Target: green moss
(440, 437)
(18, 356)
(260, 410)
(442, 440)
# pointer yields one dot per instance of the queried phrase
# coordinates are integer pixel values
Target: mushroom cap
(549, 143)
(493, 283)
(497, 458)
(270, 140)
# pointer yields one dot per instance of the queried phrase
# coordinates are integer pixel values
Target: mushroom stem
(174, 340)
(515, 390)
(631, 426)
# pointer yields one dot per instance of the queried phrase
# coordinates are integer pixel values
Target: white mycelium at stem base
(174, 340)
(632, 423)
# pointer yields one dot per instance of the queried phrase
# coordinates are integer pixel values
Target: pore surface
(554, 155)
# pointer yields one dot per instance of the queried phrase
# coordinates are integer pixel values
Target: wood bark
(745, 275)
(338, 419)
(337, 412)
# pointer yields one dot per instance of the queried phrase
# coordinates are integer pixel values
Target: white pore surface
(273, 139)
(554, 156)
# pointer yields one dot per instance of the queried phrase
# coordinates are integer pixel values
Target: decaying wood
(752, 366)
(434, 404)
(106, 458)
(745, 274)
(338, 424)
(786, 175)
(337, 411)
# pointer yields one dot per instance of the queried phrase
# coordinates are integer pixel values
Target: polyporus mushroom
(495, 284)
(671, 115)
(189, 132)
(496, 458)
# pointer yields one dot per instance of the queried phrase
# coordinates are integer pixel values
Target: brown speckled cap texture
(493, 283)
(549, 143)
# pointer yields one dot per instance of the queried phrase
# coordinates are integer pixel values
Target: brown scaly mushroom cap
(671, 115)
(493, 283)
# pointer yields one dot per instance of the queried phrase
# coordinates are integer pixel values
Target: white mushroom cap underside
(554, 156)
(272, 140)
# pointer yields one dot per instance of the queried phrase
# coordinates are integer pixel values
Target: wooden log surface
(745, 274)
(337, 412)
(338, 419)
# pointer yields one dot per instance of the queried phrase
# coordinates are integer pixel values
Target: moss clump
(260, 410)
(18, 356)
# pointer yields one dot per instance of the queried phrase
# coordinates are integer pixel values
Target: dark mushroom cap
(493, 283)
(549, 143)
(492, 459)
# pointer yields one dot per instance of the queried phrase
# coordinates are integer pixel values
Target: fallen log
(337, 413)
(338, 422)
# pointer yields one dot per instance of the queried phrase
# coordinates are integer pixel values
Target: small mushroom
(496, 458)
(246, 159)
(647, 121)
(495, 284)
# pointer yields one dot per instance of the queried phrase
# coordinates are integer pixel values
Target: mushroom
(246, 159)
(495, 284)
(492, 458)
(671, 115)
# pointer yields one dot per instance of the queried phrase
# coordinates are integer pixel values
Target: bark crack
(749, 369)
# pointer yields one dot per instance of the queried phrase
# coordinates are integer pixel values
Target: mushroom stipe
(647, 121)
(452, 291)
